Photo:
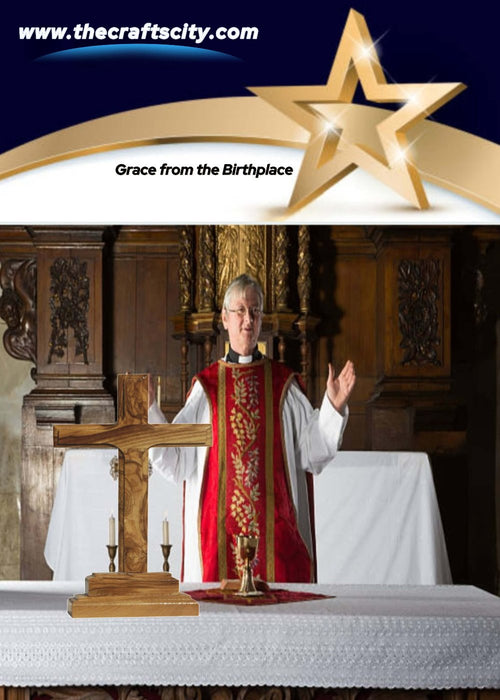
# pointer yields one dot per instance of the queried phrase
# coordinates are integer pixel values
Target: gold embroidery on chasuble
(244, 422)
(245, 485)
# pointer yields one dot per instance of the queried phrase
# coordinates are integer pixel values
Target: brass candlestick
(247, 549)
(165, 548)
(112, 549)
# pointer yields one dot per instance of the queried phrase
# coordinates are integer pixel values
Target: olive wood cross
(132, 435)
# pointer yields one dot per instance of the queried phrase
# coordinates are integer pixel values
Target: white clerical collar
(233, 356)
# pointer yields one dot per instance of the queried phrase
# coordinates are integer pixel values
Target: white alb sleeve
(179, 463)
(316, 433)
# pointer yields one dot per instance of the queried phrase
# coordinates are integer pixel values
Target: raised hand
(340, 388)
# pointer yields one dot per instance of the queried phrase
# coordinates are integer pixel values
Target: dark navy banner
(65, 65)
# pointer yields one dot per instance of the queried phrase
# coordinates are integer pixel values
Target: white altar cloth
(368, 636)
(377, 519)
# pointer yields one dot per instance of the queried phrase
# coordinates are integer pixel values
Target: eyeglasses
(253, 311)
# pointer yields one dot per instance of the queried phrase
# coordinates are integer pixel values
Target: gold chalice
(247, 549)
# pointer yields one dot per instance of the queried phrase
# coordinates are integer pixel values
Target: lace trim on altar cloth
(256, 648)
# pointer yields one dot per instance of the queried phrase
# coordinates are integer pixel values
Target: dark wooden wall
(142, 294)
(415, 308)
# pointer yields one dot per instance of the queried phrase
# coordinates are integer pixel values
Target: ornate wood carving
(246, 693)
(418, 293)
(280, 267)
(17, 308)
(83, 693)
(206, 274)
(304, 289)
(304, 276)
(254, 262)
(228, 257)
(240, 249)
(69, 306)
(189, 692)
(186, 269)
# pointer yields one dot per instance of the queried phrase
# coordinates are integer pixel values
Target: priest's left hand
(339, 388)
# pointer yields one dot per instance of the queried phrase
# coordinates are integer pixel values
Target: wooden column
(68, 374)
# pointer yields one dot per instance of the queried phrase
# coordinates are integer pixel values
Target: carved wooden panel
(419, 298)
(413, 306)
(69, 307)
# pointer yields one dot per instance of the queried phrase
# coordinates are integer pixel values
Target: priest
(266, 438)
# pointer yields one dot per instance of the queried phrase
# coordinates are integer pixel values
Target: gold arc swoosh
(450, 158)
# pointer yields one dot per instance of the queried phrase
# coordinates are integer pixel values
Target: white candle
(112, 540)
(158, 391)
(166, 539)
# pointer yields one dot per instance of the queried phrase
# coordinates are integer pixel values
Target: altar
(406, 637)
(376, 514)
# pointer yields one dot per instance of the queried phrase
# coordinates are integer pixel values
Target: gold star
(335, 146)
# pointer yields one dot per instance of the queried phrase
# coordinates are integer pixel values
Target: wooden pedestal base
(132, 595)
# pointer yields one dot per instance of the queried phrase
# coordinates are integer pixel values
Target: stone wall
(15, 382)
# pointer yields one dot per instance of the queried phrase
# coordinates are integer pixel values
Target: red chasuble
(246, 487)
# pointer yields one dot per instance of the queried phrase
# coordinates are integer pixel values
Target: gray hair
(240, 284)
